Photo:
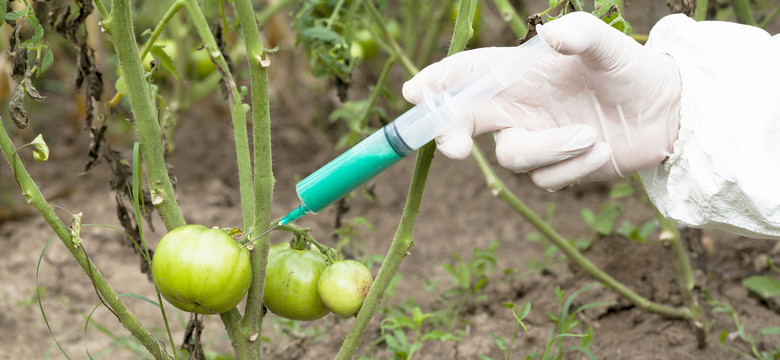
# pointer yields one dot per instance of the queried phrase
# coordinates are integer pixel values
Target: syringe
(413, 129)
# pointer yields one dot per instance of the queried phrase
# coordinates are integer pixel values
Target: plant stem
(700, 13)
(743, 13)
(120, 25)
(380, 84)
(263, 170)
(403, 238)
(769, 18)
(672, 242)
(438, 19)
(511, 17)
(175, 7)
(397, 51)
(501, 191)
(101, 9)
(399, 248)
(272, 9)
(36, 199)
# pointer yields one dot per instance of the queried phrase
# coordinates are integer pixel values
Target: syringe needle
(261, 235)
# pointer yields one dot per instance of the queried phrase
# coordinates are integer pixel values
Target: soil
(458, 214)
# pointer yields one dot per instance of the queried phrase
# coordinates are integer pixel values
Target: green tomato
(343, 287)
(201, 270)
(363, 45)
(291, 284)
(201, 64)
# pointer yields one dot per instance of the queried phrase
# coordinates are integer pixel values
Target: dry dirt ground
(458, 214)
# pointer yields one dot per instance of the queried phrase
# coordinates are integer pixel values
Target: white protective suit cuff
(724, 171)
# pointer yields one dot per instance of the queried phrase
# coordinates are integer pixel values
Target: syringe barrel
(416, 127)
(345, 173)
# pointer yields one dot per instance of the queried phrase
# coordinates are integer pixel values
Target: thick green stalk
(403, 239)
(36, 199)
(399, 248)
(501, 191)
(515, 21)
(258, 61)
(120, 25)
(237, 114)
(700, 13)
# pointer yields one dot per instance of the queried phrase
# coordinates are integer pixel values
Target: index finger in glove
(440, 75)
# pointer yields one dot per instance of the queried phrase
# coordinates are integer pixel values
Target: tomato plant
(201, 270)
(343, 287)
(291, 284)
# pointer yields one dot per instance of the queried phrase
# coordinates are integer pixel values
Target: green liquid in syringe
(345, 173)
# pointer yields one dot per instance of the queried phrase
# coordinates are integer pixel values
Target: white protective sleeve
(724, 171)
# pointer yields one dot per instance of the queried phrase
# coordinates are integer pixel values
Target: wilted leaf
(31, 90)
(75, 230)
(16, 107)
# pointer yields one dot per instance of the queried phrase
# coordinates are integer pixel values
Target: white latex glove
(608, 108)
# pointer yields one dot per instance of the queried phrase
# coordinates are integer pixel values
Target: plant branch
(403, 239)
(272, 9)
(258, 60)
(501, 191)
(380, 84)
(120, 26)
(700, 13)
(769, 18)
(743, 13)
(399, 248)
(175, 7)
(515, 21)
(397, 51)
(102, 9)
(36, 199)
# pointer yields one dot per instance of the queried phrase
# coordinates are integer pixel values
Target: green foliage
(756, 350)
(324, 29)
(470, 277)
(409, 319)
(351, 234)
(518, 313)
(604, 222)
(607, 10)
(352, 113)
(566, 323)
(763, 286)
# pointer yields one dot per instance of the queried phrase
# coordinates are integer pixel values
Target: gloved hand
(609, 107)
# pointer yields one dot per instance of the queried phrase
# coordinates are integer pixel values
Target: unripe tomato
(201, 270)
(291, 284)
(343, 287)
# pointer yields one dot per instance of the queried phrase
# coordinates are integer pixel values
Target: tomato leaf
(165, 61)
(500, 342)
(764, 286)
(48, 59)
(621, 190)
(771, 330)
